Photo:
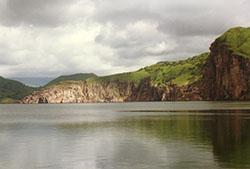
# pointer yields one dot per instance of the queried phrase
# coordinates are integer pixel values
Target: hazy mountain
(33, 81)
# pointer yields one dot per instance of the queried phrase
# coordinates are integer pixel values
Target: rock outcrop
(227, 74)
(82, 92)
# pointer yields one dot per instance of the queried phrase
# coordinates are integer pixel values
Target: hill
(12, 91)
(74, 77)
(227, 72)
(237, 40)
(147, 84)
(181, 72)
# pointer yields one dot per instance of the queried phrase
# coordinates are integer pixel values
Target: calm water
(125, 135)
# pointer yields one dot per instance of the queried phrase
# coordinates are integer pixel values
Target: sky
(45, 38)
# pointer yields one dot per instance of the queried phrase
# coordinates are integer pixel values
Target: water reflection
(193, 139)
(98, 137)
(231, 140)
(226, 131)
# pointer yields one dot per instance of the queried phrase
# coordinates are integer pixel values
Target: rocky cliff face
(78, 92)
(115, 91)
(226, 75)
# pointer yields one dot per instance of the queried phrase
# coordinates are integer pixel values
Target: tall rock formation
(227, 72)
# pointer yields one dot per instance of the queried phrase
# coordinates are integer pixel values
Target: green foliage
(180, 73)
(13, 90)
(238, 40)
(75, 77)
(136, 76)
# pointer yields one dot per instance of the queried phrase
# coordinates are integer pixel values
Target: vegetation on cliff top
(180, 72)
(136, 76)
(11, 90)
(74, 77)
(238, 40)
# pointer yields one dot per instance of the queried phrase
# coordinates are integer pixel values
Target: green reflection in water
(227, 134)
(225, 131)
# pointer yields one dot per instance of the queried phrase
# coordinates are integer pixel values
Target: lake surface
(125, 135)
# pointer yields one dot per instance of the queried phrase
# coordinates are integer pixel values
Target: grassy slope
(74, 77)
(11, 90)
(180, 73)
(136, 76)
(238, 40)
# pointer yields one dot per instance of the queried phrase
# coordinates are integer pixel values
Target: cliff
(115, 91)
(159, 82)
(227, 74)
(222, 74)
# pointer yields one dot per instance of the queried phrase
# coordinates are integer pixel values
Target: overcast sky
(54, 37)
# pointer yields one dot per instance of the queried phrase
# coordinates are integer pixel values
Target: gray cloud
(192, 26)
(35, 12)
(49, 38)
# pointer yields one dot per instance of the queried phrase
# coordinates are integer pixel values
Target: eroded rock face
(78, 93)
(226, 75)
(114, 91)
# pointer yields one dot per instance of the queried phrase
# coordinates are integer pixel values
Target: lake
(140, 135)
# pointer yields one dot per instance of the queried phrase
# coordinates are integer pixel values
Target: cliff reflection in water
(227, 131)
(187, 135)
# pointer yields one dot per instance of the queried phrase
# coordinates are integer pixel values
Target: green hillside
(180, 72)
(136, 76)
(74, 77)
(11, 90)
(238, 40)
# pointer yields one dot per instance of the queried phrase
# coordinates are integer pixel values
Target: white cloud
(158, 48)
(70, 48)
